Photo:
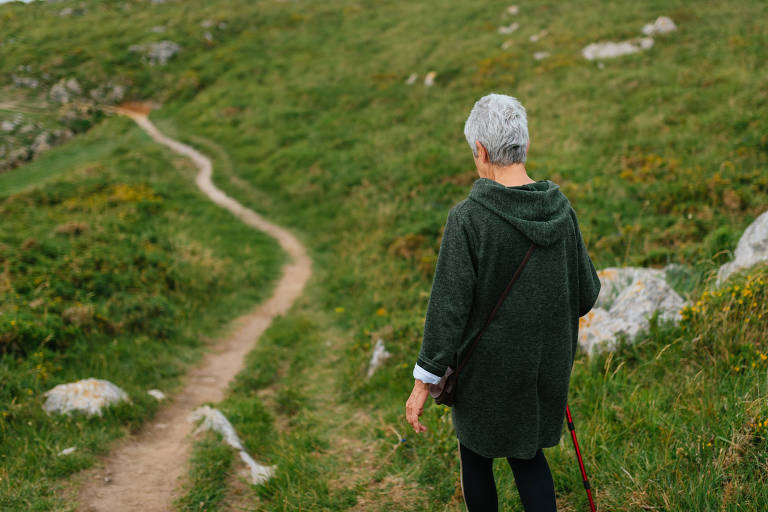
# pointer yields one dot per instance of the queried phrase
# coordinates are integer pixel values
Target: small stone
(538, 36)
(67, 451)
(610, 49)
(662, 25)
(509, 28)
(157, 53)
(156, 393)
(25, 81)
(41, 143)
(512, 9)
(540, 55)
(377, 357)
(412, 78)
(429, 79)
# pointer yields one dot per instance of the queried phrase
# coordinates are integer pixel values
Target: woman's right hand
(415, 405)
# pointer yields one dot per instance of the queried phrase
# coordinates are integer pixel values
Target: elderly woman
(511, 395)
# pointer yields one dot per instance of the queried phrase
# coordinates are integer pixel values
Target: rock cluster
(611, 49)
(21, 144)
(629, 296)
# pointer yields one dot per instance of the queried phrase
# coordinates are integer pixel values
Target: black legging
(532, 476)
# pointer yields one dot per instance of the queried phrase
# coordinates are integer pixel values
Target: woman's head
(499, 123)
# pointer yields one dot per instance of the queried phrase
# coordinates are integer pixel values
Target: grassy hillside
(116, 268)
(663, 155)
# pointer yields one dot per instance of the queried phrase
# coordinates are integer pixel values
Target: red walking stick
(578, 456)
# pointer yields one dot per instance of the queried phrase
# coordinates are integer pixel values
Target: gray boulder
(629, 312)
(87, 395)
(751, 249)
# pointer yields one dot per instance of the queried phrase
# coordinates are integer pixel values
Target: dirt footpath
(144, 471)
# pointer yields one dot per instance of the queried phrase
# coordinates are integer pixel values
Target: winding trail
(143, 471)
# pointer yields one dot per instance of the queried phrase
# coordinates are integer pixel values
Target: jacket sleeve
(589, 282)
(450, 300)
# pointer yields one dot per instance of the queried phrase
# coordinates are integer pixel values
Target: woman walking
(511, 395)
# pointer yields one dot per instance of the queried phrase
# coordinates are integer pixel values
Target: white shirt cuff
(424, 376)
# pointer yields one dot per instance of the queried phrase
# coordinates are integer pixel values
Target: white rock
(156, 393)
(509, 29)
(629, 314)
(116, 94)
(411, 78)
(537, 37)
(259, 472)
(8, 126)
(73, 85)
(59, 93)
(41, 143)
(751, 249)
(157, 53)
(429, 79)
(662, 25)
(158, 29)
(87, 395)
(513, 9)
(213, 419)
(614, 280)
(67, 451)
(379, 355)
(24, 81)
(540, 55)
(610, 49)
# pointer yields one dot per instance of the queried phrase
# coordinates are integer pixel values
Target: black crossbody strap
(498, 305)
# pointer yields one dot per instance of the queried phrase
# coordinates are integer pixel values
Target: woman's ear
(482, 154)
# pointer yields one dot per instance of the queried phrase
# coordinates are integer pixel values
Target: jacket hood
(539, 210)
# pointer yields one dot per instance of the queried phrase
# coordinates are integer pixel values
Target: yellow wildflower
(339, 309)
(381, 312)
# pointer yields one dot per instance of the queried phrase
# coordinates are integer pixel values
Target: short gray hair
(498, 121)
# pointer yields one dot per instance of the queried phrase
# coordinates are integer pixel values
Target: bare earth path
(143, 471)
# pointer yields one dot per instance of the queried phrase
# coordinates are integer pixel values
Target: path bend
(144, 471)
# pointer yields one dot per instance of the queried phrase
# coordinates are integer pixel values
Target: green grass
(663, 155)
(108, 273)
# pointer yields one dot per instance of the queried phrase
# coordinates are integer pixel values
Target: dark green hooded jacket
(511, 395)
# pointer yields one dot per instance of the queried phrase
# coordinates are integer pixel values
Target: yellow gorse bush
(116, 193)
